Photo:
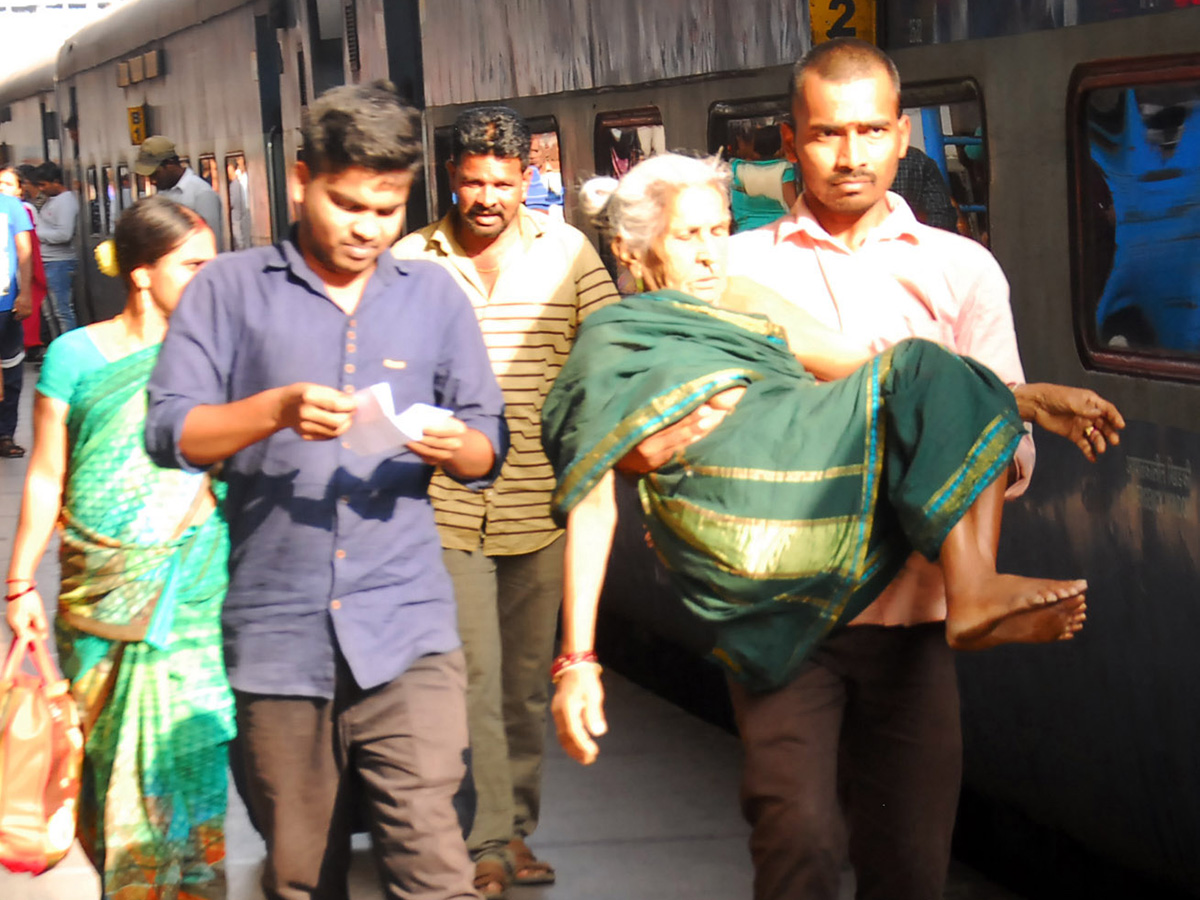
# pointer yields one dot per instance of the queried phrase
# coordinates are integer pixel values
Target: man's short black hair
(842, 59)
(361, 126)
(491, 131)
(48, 173)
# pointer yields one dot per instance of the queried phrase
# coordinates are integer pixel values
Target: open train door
(402, 24)
(270, 64)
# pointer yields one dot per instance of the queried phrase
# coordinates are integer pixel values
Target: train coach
(1069, 133)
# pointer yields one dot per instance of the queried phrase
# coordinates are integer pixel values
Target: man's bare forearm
(213, 433)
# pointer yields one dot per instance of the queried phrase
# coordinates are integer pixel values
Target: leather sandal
(9, 449)
(491, 879)
(527, 868)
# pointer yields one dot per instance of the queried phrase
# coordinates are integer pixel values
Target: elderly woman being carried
(792, 514)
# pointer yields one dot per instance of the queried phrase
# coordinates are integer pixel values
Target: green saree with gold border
(795, 512)
(139, 636)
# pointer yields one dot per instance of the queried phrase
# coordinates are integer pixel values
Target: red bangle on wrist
(19, 594)
(570, 660)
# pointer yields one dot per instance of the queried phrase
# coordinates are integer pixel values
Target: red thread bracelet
(570, 660)
(19, 594)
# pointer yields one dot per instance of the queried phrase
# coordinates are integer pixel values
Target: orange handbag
(41, 755)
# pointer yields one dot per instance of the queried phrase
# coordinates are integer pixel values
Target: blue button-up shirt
(331, 551)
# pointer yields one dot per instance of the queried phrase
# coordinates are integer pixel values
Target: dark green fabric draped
(795, 512)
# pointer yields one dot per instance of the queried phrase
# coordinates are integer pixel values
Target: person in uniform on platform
(158, 161)
(532, 280)
(340, 634)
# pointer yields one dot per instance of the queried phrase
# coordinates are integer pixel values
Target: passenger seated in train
(792, 517)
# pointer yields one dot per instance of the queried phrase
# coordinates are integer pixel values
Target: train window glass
(93, 199)
(209, 172)
(746, 133)
(945, 175)
(546, 187)
(125, 186)
(239, 201)
(1135, 153)
(623, 139)
(108, 191)
(145, 187)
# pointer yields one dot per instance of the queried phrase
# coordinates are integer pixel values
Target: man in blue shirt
(16, 303)
(340, 637)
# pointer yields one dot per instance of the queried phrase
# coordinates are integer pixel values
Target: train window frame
(145, 187)
(91, 187)
(443, 139)
(110, 205)
(211, 159)
(232, 158)
(125, 176)
(1085, 79)
(605, 120)
(948, 92)
(721, 112)
(751, 212)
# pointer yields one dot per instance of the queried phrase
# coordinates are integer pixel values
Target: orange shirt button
(341, 554)
(349, 389)
(349, 348)
(349, 335)
(336, 604)
(350, 367)
(345, 445)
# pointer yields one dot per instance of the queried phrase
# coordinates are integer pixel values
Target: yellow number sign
(137, 124)
(842, 18)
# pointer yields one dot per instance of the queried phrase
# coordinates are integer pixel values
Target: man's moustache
(854, 176)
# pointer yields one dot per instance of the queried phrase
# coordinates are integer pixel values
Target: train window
(209, 172)
(1135, 155)
(746, 133)
(239, 201)
(108, 191)
(546, 188)
(93, 199)
(623, 139)
(145, 187)
(125, 186)
(945, 176)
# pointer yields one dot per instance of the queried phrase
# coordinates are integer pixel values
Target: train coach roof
(132, 26)
(37, 78)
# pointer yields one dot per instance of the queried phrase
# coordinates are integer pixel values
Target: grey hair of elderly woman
(634, 210)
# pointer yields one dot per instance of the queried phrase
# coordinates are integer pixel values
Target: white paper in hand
(378, 429)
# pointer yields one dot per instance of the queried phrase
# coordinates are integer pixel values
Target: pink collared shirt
(907, 280)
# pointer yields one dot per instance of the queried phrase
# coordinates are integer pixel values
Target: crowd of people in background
(383, 609)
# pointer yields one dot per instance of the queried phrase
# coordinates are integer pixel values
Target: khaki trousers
(405, 741)
(508, 618)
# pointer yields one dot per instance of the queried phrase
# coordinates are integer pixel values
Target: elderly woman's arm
(579, 697)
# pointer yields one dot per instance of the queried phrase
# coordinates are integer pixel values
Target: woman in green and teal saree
(143, 556)
(792, 514)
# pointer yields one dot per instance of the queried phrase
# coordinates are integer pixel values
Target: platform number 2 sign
(842, 19)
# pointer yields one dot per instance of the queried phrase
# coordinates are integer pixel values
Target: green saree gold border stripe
(659, 412)
(752, 322)
(786, 476)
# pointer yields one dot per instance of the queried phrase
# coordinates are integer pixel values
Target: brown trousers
(861, 753)
(404, 740)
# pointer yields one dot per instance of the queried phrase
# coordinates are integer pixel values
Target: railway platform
(656, 818)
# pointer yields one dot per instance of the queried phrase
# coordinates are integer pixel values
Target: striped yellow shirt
(528, 324)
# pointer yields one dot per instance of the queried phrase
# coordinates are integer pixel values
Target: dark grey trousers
(405, 741)
(859, 755)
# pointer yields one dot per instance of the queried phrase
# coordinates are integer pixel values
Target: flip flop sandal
(491, 879)
(527, 868)
(9, 449)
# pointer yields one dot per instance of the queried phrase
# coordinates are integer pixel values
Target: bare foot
(976, 613)
(1060, 621)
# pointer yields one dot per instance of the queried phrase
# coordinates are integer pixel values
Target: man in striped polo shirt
(532, 281)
